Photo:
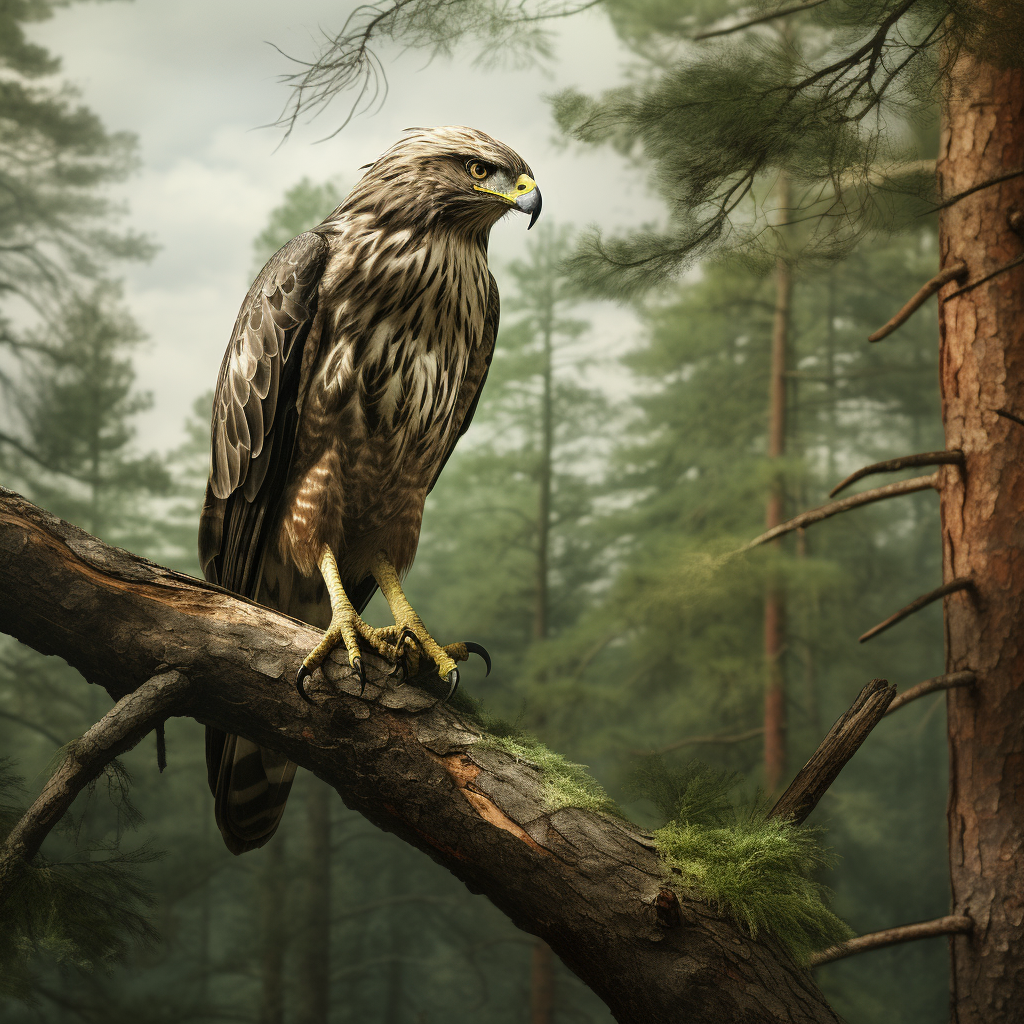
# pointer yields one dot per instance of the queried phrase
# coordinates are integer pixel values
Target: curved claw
(406, 634)
(300, 679)
(452, 679)
(473, 648)
(357, 664)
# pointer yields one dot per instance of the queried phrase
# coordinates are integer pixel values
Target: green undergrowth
(566, 784)
(758, 870)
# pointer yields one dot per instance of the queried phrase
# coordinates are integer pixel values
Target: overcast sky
(195, 80)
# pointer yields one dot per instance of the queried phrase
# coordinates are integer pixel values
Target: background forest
(576, 533)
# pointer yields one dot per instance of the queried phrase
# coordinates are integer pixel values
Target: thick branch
(945, 682)
(952, 925)
(841, 743)
(954, 272)
(903, 462)
(588, 884)
(131, 718)
(816, 515)
(916, 605)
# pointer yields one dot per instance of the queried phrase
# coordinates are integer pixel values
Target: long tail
(251, 783)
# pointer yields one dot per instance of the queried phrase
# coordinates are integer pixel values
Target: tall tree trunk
(775, 602)
(271, 888)
(982, 370)
(314, 969)
(542, 963)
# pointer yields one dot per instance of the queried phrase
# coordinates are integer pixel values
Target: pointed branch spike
(954, 272)
(841, 743)
(816, 515)
(943, 458)
(955, 924)
(1007, 415)
(963, 583)
(946, 682)
(988, 277)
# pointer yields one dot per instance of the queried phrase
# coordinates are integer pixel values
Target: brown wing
(255, 413)
(255, 416)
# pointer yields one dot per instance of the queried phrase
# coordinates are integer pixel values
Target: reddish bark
(982, 370)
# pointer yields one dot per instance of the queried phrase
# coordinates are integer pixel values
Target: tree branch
(841, 743)
(782, 12)
(816, 515)
(953, 925)
(589, 884)
(988, 277)
(738, 737)
(954, 272)
(945, 682)
(903, 462)
(131, 718)
(917, 604)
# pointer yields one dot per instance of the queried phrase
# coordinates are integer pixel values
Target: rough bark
(982, 370)
(588, 884)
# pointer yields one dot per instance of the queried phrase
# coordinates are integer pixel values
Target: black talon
(357, 664)
(304, 674)
(473, 648)
(452, 679)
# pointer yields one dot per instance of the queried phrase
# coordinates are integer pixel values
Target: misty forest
(739, 521)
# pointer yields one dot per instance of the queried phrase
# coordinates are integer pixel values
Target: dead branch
(782, 12)
(988, 277)
(588, 884)
(841, 743)
(903, 462)
(953, 272)
(1012, 416)
(945, 682)
(916, 605)
(816, 515)
(131, 718)
(953, 925)
(738, 737)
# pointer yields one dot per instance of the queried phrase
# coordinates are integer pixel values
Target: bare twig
(945, 682)
(955, 924)
(816, 515)
(1009, 176)
(963, 583)
(953, 272)
(903, 462)
(738, 737)
(131, 718)
(841, 743)
(1007, 415)
(988, 277)
(782, 12)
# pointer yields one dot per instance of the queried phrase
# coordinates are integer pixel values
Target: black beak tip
(536, 211)
(531, 204)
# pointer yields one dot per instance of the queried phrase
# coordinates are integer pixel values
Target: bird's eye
(478, 169)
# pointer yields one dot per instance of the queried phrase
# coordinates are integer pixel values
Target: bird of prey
(354, 366)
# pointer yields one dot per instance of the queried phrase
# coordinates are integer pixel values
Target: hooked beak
(525, 196)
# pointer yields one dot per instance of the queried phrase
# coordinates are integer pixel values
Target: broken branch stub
(966, 583)
(903, 462)
(834, 751)
(933, 685)
(954, 272)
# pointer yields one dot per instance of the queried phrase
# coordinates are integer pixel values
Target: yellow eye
(477, 169)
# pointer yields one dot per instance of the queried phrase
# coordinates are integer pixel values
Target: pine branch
(782, 12)
(955, 924)
(587, 883)
(816, 515)
(954, 272)
(916, 605)
(903, 462)
(946, 682)
(133, 717)
(842, 742)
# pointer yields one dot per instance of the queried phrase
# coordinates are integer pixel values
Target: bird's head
(455, 176)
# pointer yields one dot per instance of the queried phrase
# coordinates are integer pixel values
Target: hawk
(354, 367)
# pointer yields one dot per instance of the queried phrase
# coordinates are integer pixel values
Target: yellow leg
(410, 626)
(346, 627)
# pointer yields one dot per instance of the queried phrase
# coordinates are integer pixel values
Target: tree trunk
(271, 888)
(775, 598)
(982, 370)
(591, 885)
(314, 968)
